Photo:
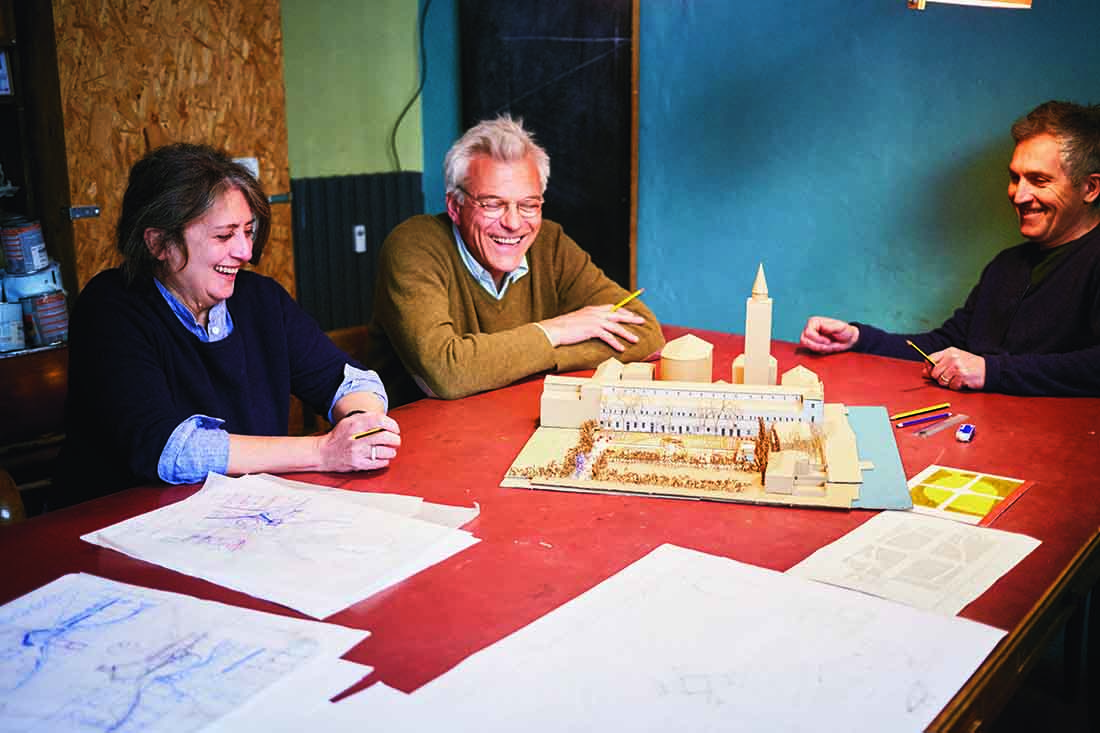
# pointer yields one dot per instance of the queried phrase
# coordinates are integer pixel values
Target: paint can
(24, 248)
(11, 327)
(45, 318)
(46, 280)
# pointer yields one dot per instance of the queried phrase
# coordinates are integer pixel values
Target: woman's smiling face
(218, 244)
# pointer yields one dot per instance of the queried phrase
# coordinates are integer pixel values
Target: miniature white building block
(802, 378)
(737, 375)
(779, 478)
(687, 359)
(609, 371)
(568, 401)
(792, 472)
(639, 371)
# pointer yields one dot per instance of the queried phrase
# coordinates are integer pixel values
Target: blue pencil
(919, 420)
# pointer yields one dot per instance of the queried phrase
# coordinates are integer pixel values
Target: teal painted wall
(859, 149)
(350, 67)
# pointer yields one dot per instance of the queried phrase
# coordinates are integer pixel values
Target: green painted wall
(350, 67)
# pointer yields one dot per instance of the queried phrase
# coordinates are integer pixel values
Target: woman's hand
(360, 442)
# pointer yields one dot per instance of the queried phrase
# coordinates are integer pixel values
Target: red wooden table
(540, 549)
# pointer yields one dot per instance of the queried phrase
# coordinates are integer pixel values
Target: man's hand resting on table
(592, 322)
(828, 335)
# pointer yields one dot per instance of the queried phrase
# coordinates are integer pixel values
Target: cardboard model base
(692, 466)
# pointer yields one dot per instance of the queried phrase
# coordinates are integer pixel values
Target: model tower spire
(756, 365)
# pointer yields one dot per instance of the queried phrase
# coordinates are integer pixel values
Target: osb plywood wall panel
(146, 72)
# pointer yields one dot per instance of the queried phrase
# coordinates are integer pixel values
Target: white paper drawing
(262, 537)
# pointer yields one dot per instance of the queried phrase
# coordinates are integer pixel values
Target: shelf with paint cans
(33, 304)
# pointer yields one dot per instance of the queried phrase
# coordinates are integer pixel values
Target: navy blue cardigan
(1036, 339)
(135, 374)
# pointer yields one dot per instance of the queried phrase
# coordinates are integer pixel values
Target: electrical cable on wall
(419, 88)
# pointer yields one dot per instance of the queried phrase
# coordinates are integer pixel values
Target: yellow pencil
(627, 299)
(365, 433)
(919, 410)
(926, 356)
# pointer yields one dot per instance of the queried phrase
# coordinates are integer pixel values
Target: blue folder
(884, 486)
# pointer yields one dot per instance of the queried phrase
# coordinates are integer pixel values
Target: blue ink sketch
(87, 654)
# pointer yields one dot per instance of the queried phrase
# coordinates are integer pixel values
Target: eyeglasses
(495, 208)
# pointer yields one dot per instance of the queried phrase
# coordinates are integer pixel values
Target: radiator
(335, 282)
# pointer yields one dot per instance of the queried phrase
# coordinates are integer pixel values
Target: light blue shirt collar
(219, 324)
(482, 275)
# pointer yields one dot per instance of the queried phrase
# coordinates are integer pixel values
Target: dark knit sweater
(1041, 339)
(136, 373)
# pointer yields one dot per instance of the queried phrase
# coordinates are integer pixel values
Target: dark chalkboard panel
(566, 68)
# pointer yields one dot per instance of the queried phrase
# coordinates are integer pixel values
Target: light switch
(360, 239)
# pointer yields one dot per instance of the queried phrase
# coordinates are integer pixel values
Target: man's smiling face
(1051, 209)
(498, 245)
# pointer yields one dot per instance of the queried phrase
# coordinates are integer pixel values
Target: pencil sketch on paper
(751, 440)
(87, 654)
(262, 536)
(246, 517)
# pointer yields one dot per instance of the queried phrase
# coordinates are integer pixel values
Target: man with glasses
(488, 293)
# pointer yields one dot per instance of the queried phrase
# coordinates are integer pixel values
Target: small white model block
(639, 371)
(779, 478)
(687, 359)
(737, 375)
(800, 376)
(609, 371)
(792, 472)
(568, 401)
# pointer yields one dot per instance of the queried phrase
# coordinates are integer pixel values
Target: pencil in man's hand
(627, 299)
(927, 358)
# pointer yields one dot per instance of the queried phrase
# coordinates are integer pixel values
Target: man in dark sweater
(1031, 326)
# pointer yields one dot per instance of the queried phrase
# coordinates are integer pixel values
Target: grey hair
(502, 139)
(1077, 129)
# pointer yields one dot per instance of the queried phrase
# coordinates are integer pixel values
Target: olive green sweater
(432, 319)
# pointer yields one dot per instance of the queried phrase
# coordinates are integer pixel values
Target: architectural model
(753, 440)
